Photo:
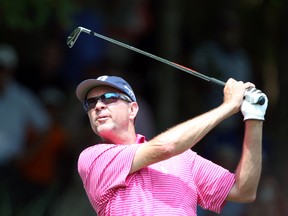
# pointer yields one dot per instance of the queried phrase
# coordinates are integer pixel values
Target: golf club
(75, 34)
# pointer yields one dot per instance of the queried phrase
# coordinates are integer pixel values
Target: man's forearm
(185, 135)
(249, 168)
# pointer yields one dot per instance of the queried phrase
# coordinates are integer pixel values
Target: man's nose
(100, 105)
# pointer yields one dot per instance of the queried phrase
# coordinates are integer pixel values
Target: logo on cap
(102, 78)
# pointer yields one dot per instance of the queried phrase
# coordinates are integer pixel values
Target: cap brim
(84, 87)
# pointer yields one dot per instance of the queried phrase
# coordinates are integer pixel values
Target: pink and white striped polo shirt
(171, 187)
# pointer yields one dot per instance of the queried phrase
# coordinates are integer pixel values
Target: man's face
(107, 120)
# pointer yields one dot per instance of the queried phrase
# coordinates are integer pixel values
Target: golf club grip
(261, 100)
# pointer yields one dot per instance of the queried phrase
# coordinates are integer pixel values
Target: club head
(73, 37)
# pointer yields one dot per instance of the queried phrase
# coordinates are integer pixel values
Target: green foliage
(34, 14)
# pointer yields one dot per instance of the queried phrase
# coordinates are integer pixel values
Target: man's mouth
(102, 117)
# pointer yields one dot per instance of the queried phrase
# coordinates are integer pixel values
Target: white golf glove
(254, 104)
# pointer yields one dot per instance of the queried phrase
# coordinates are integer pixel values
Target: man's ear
(133, 110)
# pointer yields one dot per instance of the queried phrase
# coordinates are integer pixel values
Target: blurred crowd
(43, 127)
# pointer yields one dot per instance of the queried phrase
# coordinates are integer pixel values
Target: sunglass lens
(105, 98)
(90, 103)
(109, 98)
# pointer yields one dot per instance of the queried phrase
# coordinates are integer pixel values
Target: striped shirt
(171, 187)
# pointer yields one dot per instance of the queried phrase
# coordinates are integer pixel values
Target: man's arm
(179, 138)
(249, 168)
(185, 135)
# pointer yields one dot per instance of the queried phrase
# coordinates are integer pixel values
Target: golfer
(126, 174)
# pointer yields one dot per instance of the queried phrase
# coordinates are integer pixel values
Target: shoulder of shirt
(96, 147)
(100, 147)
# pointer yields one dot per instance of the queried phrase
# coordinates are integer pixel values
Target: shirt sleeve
(104, 167)
(213, 183)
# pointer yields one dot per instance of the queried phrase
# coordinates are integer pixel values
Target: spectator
(44, 172)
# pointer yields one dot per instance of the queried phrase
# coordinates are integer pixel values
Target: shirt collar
(140, 138)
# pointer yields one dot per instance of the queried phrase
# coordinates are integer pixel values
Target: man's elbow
(247, 197)
(242, 196)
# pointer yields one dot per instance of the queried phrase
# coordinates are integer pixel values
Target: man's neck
(123, 138)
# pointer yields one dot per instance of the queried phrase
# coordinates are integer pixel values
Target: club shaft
(165, 61)
(74, 35)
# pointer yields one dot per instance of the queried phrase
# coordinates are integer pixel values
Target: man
(127, 175)
(21, 112)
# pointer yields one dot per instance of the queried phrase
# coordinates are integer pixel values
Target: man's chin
(104, 130)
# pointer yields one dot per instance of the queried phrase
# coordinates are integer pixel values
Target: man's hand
(250, 109)
(234, 93)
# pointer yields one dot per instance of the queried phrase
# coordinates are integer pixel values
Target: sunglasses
(106, 98)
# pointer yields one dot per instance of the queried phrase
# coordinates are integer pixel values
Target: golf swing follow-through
(75, 34)
(126, 174)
